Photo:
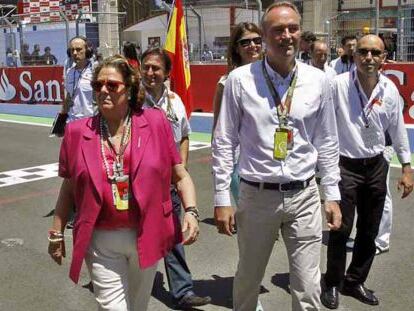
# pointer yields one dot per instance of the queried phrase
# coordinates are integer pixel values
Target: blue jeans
(179, 278)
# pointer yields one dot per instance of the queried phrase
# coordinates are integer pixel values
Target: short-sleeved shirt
(78, 87)
(179, 124)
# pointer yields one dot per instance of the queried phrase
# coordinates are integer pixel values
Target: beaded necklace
(118, 171)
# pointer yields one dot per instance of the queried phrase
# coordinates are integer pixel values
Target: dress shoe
(380, 250)
(330, 297)
(191, 300)
(360, 292)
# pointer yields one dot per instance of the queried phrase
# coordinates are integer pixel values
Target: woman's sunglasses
(246, 42)
(111, 86)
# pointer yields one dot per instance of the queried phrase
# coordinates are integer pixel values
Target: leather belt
(290, 186)
(360, 161)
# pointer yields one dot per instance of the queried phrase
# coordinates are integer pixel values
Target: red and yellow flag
(176, 46)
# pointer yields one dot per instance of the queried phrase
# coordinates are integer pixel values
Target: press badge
(120, 190)
(280, 143)
(370, 136)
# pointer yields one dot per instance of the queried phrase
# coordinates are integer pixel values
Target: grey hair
(277, 4)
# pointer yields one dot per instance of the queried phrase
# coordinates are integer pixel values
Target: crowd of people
(35, 58)
(280, 116)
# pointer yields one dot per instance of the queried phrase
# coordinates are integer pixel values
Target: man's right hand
(224, 216)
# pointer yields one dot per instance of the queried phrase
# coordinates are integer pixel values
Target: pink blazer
(153, 154)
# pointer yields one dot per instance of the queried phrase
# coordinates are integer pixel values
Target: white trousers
(383, 238)
(260, 215)
(118, 282)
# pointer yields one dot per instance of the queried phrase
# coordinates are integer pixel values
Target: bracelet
(55, 236)
(55, 233)
(55, 240)
(192, 210)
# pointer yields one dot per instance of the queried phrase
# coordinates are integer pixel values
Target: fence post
(377, 7)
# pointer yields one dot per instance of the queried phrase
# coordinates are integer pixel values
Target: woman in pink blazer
(117, 169)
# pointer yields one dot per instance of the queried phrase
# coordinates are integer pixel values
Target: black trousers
(362, 185)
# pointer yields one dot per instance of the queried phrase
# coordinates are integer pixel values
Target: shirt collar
(276, 77)
(150, 100)
(381, 84)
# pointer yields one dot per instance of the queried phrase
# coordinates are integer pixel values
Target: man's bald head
(371, 40)
(369, 55)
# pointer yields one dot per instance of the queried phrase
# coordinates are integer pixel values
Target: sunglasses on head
(246, 42)
(374, 52)
(111, 86)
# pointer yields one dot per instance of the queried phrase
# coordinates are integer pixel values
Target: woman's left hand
(191, 228)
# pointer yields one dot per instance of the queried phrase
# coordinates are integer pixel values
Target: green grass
(202, 137)
(195, 136)
(38, 120)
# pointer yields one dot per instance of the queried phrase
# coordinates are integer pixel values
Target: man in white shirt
(280, 112)
(345, 62)
(365, 109)
(156, 67)
(319, 56)
(79, 95)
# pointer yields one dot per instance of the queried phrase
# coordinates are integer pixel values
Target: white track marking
(34, 173)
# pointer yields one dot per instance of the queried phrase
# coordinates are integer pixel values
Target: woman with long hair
(245, 47)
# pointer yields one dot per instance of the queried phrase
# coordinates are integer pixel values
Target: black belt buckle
(284, 190)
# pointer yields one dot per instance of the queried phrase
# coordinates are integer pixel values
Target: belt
(290, 186)
(361, 161)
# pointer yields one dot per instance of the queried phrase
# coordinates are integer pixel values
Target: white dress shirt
(329, 71)
(78, 86)
(386, 115)
(180, 125)
(248, 117)
(340, 67)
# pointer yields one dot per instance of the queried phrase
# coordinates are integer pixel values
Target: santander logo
(7, 91)
(31, 85)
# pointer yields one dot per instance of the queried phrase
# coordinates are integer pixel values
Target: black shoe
(192, 300)
(360, 292)
(330, 297)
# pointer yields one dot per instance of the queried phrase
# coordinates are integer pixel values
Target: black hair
(308, 36)
(347, 38)
(130, 50)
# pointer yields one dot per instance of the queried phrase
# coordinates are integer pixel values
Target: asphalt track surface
(31, 281)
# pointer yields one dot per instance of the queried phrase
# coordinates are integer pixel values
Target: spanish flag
(176, 46)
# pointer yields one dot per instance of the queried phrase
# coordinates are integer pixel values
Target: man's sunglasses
(374, 52)
(111, 86)
(246, 42)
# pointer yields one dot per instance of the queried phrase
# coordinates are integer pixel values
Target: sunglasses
(246, 42)
(374, 53)
(111, 86)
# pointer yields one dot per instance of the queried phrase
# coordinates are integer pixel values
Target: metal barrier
(390, 19)
(33, 42)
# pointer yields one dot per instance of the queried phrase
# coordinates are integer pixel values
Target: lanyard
(283, 110)
(169, 112)
(361, 101)
(75, 86)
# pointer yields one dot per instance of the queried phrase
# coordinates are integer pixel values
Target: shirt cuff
(404, 158)
(222, 198)
(332, 193)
